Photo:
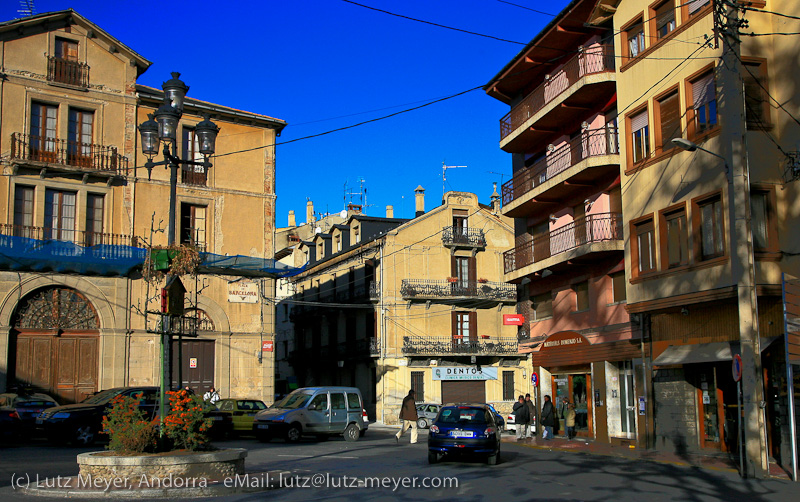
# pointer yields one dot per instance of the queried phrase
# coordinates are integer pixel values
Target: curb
(250, 482)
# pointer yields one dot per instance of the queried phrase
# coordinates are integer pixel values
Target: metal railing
(374, 292)
(68, 153)
(463, 236)
(591, 143)
(68, 72)
(431, 346)
(190, 177)
(426, 288)
(79, 237)
(595, 59)
(591, 228)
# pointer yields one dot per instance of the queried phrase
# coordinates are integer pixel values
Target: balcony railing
(374, 292)
(425, 288)
(463, 236)
(68, 72)
(596, 59)
(434, 346)
(591, 228)
(68, 153)
(79, 237)
(592, 143)
(191, 177)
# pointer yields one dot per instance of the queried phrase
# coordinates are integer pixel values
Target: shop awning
(703, 352)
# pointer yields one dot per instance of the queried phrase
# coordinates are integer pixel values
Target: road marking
(316, 456)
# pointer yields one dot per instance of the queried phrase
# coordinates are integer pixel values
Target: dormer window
(338, 243)
(357, 234)
(321, 251)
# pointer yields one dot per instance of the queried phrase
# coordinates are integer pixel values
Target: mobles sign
(564, 339)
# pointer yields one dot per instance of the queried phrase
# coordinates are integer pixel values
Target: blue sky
(325, 64)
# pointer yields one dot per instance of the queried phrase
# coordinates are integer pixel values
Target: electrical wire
(528, 8)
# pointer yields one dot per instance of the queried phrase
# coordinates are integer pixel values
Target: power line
(763, 11)
(528, 8)
(766, 91)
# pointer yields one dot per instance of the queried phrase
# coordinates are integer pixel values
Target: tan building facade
(80, 210)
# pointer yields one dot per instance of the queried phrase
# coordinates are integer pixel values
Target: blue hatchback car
(464, 429)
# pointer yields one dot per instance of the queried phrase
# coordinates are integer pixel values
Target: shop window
(508, 386)
(756, 100)
(644, 246)
(675, 245)
(663, 18)
(581, 291)
(618, 292)
(668, 113)
(640, 136)
(704, 103)
(710, 227)
(542, 306)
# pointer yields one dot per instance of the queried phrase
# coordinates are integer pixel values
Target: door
(338, 412)
(59, 215)
(79, 138)
(318, 414)
(43, 142)
(578, 388)
(541, 241)
(579, 222)
(710, 408)
(627, 402)
(197, 360)
(469, 391)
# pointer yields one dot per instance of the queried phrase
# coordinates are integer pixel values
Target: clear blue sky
(325, 64)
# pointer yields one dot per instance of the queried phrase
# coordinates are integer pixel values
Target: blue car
(464, 429)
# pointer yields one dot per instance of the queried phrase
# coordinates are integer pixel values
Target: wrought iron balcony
(67, 72)
(463, 237)
(425, 289)
(73, 154)
(442, 345)
(592, 143)
(79, 237)
(598, 59)
(590, 229)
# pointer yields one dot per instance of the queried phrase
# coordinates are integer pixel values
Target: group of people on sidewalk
(524, 412)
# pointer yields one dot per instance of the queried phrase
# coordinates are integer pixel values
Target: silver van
(315, 411)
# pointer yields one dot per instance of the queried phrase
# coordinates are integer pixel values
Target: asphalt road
(523, 473)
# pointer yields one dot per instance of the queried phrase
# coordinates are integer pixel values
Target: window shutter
(453, 267)
(473, 326)
(454, 324)
(696, 5)
(703, 90)
(669, 109)
(473, 269)
(639, 121)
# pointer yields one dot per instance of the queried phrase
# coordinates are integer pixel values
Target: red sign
(736, 368)
(266, 346)
(513, 319)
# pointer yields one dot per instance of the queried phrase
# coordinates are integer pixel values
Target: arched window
(56, 308)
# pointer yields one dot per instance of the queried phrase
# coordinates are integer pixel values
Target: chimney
(419, 194)
(389, 212)
(495, 200)
(292, 222)
(309, 212)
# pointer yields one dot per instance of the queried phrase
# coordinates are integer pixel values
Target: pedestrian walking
(569, 418)
(548, 418)
(521, 417)
(408, 415)
(211, 396)
(532, 413)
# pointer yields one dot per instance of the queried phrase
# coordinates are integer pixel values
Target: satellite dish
(318, 230)
(343, 214)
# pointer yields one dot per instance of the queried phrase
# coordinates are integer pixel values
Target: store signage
(564, 339)
(464, 373)
(266, 346)
(243, 292)
(193, 362)
(513, 320)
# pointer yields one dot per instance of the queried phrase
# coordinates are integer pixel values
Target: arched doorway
(55, 335)
(193, 358)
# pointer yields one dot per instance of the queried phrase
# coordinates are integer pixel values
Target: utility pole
(732, 114)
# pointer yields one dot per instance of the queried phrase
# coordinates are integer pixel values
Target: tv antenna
(360, 192)
(444, 174)
(26, 8)
(502, 175)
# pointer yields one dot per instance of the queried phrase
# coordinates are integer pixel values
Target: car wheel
(84, 435)
(422, 423)
(293, 434)
(433, 457)
(352, 433)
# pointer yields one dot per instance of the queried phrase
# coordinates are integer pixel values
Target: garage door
(471, 391)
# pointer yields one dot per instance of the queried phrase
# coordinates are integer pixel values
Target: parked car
(28, 406)
(426, 413)
(317, 411)
(511, 425)
(498, 418)
(234, 416)
(10, 425)
(464, 429)
(81, 423)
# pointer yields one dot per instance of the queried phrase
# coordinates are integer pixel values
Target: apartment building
(80, 210)
(566, 201)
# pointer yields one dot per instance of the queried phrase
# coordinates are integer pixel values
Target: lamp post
(162, 127)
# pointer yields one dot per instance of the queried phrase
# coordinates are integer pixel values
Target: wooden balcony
(463, 237)
(568, 86)
(40, 152)
(449, 292)
(64, 71)
(589, 237)
(449, 346)
(579, 164)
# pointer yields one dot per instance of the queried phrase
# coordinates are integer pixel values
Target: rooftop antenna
(26, 8)
(502, 175)
(444, 174)
(361, 193)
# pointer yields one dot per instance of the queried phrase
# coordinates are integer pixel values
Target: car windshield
(101, 397)
(462, 416)
(293, 401)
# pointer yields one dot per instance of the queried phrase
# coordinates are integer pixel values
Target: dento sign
(464, 373)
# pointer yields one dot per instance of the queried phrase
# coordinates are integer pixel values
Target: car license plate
(263, 426)
(217, 418)
(461, 434)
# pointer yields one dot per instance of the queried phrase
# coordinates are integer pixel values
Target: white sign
(464, 373)
(193, 362)
(243, 292)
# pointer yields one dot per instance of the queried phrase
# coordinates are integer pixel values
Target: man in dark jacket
(408, 415)
(521, 417)
(548, 418)
(532, 413)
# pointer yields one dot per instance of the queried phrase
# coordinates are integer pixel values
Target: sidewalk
(707, 460)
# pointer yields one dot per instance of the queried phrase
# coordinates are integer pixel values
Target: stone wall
(213, 466)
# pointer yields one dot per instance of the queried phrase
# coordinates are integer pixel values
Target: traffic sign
(535, 379)
(737, 367)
